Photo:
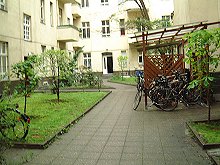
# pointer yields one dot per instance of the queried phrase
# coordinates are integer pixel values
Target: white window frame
(104, 2)
(105, 28)
(85, 30)
(42, 11)
(3, 4)
(51, 13)
(166, 19)
(84, 3)
(122, 27)
(140, 56)
(27, 27)
(87, 62)
(60, 16)
(3, 60)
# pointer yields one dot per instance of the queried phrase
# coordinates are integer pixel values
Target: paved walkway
(112, 133)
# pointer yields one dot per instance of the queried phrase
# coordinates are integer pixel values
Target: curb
(203, 144)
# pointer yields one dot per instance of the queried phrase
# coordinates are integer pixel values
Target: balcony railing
(67, 33)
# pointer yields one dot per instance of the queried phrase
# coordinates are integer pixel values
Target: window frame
(4, 63)
(84, 3)
(87, 60)
(60, 16)
(140, 55)
(3, 5)
(104, 2)
(86, 30)
(27, 27)
(51, 13)
(42, 11)
(122, 27)
(105, 28)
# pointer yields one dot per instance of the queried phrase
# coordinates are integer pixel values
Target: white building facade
(97, 26)
(32, 27)
(104, 36)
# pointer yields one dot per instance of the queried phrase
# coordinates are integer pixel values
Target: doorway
(107, 62)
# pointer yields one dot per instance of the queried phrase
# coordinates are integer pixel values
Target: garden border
(201, 142)
(52, 139)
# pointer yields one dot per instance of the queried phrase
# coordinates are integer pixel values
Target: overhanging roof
(173, 34)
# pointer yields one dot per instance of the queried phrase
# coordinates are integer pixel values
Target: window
(60, 16)
(3, 60)
(27, 27)
(87, 60)
(85, 30)
(166, 20)
(122, 27)
(104, 2)
(85, 3)
(105, 28)
(140, 58)
(43, 48)
(42, 11)
(51, 14)
(2, 4)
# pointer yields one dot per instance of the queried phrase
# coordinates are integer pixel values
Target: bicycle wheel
(15, 126)
(137, 99)
(165, 99)
(191, 96)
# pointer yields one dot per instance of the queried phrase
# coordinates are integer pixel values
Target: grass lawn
(49, 117)
(210, 132)
(125, 80)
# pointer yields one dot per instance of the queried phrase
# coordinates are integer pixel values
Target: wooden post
(144, 42)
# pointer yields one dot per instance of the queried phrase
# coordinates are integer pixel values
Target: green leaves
(202, 54)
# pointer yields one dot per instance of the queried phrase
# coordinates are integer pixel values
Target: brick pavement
(113, 134)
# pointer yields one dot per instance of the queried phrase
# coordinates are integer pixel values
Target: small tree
(26, 72)
(122, 62)
(203, 57)
(56, 65)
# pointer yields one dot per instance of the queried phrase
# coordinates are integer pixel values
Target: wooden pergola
(164, 63)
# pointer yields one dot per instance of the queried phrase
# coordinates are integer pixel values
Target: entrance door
(107, 63)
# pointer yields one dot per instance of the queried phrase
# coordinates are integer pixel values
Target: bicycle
(140, 90)
(14, 125)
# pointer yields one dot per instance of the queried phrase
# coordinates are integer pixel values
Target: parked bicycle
(167, 91)
(140, 90)
(14, 125)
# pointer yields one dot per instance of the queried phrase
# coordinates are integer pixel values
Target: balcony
(131, 6)
(67, 1)
(76, 10)
(67, 33)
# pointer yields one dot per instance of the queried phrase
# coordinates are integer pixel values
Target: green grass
(210, 132)
(49, 117)
(125, 80)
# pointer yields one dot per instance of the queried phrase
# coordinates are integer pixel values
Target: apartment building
(190, 11)
(105, 37)
(31, 27)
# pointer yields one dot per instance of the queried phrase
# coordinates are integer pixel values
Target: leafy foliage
(203, 56)
(27, 73)
(55, 64)
(122, 62)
